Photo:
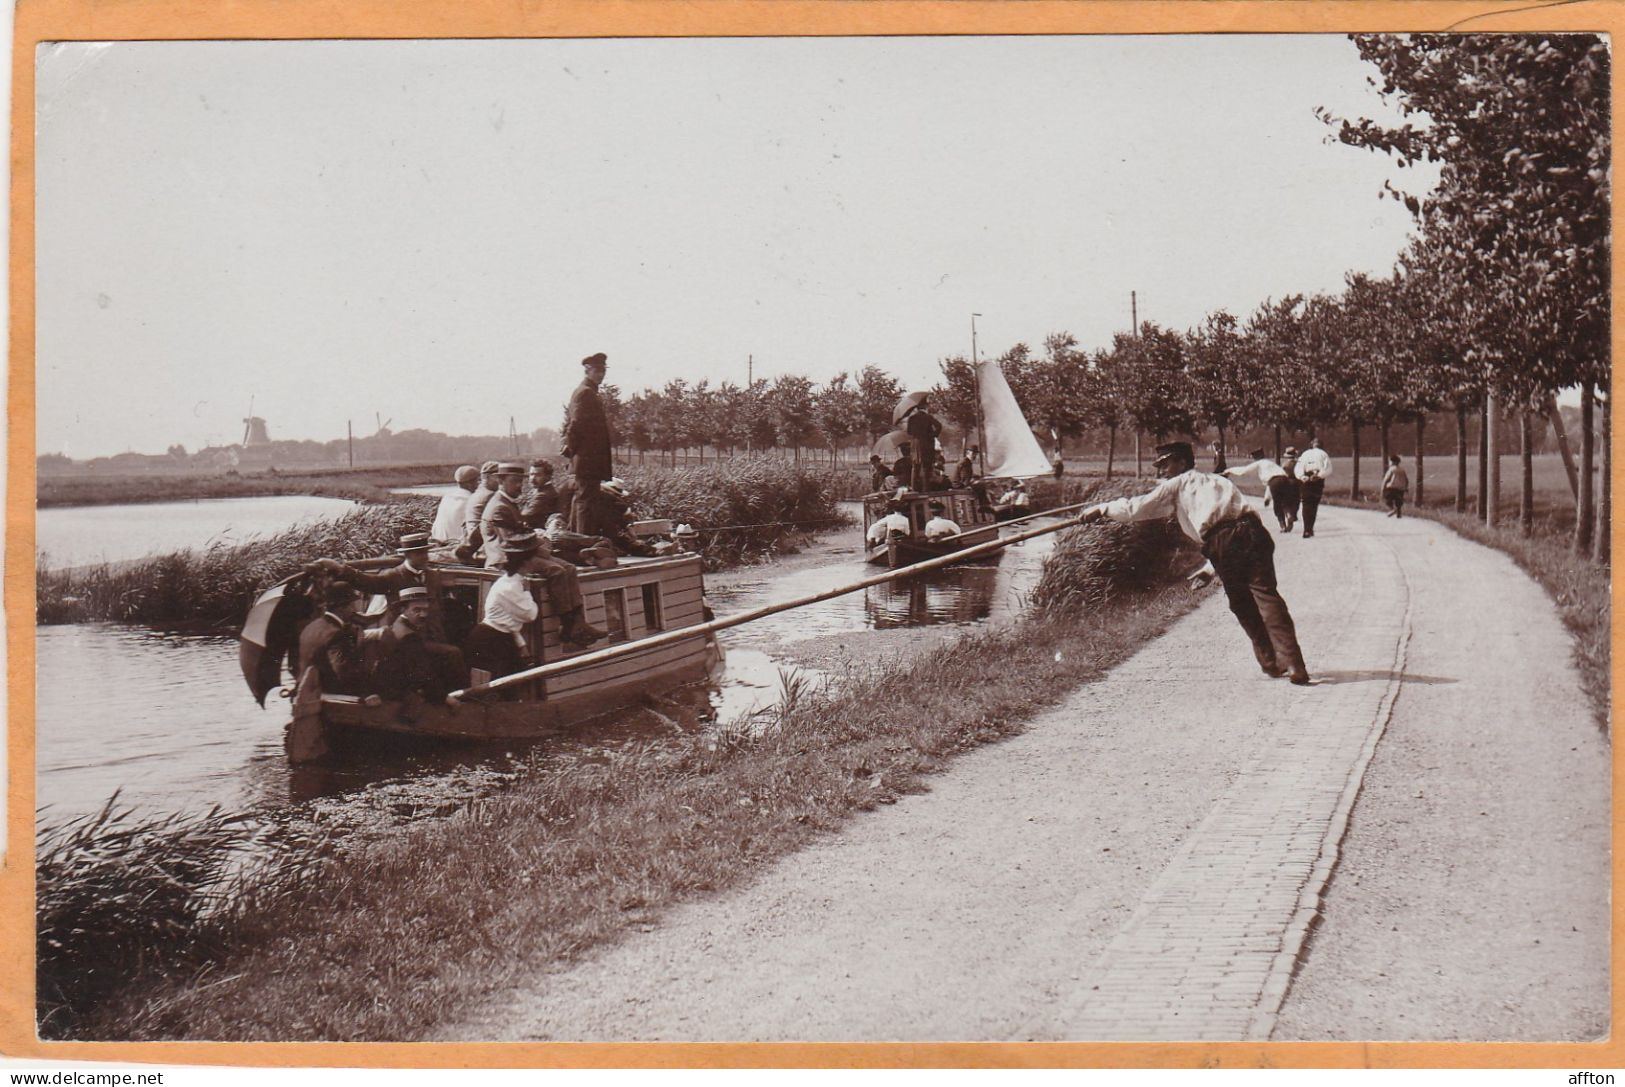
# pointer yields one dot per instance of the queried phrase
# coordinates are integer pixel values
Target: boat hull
(905, 551)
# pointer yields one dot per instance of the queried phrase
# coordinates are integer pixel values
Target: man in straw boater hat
(414, 558)
(1211, 511)
(502, 517)
(587, 443)
(407, 666)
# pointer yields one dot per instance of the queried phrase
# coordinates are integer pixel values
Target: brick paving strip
(1210, 951)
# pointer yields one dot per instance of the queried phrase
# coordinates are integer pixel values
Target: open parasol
(908, 403)
(269, 633)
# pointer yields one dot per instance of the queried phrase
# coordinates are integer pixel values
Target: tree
(792, 402)
(878, 394)
(1151, 373)
(1519, 221)
(1220, 369)
(838, 412)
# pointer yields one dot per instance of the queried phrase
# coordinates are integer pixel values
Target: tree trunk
(1384, 422)
(1562, 433)
(1277, 443)
(1354, 477)
(1111, 449)
(1138, 471)
(1584, 511)
(1526, 458)
(1461, 457)
(1492, 437)
(1421, 436)
(1600, 541)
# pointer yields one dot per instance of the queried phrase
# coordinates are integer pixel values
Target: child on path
(1394, 485)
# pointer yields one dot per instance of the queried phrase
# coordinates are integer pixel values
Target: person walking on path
(1211, 511)
(1291, 490)
(587, 443)
(1314, 469)
(1394, 485)
(1275, 481)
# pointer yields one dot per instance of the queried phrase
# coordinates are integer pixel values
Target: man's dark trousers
(584, 507)
(1242, 554)
(1311, 490)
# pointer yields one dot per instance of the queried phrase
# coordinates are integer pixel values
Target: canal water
(167, 722)
(81, 535)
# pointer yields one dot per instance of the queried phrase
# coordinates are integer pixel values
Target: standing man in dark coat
(922, 428)
(587, 443)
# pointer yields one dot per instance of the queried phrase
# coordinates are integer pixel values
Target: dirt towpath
(1414, 848)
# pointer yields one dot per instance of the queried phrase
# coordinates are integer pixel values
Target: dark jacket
(586, 435)
(964, 473)
(388, 581)
(334, 648)
(904, 471)
(542, 504)
(923, 429)
(500, 520)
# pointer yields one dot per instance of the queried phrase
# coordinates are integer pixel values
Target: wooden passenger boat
(960, 506)
(633, 601)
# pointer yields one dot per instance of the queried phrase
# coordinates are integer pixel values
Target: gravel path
(1417, 847)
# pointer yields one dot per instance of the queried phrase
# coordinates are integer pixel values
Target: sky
(435, 232)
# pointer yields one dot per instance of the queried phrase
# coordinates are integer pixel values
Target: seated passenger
(877, 473)
(476, 510)
(405, 665)
(903, 467)
(939, 526)
(966, 471)
(331, 643)
(895, 521)
(615, 518)
(563, 588)
(502, 517)
(453, 508)
(497, 645)
(414, 557)
(574, 547)
(1016, 496)
(543, 500)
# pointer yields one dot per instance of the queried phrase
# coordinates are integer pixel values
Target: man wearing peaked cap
(588, 444)
(1211, 511)
(476, 509)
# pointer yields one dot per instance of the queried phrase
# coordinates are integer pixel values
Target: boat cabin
(961, 505)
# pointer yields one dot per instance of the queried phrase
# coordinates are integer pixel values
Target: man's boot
(577, 630)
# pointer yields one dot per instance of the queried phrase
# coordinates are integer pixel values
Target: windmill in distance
(254, 432)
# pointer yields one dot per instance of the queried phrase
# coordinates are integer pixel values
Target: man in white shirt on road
(1314, 469)
(1273, 478)
(1211, 511)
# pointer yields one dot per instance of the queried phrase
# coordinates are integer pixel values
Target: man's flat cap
(1173, 450)
(600, 359)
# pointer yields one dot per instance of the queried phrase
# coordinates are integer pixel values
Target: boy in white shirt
(939, 526)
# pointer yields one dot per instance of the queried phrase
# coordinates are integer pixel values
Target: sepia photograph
(897, 537)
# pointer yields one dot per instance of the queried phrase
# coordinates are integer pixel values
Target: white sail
(1011, 448)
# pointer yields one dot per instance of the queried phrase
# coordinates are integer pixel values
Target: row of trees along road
(1499, 301)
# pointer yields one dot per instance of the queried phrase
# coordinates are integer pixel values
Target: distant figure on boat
(502, 517)
(405, 664)
(1219, 463)
(331, 643)
(448, 518)
(476, 509)
(895, 521)
(902, 468)
(1016, 497)
(939, 526)
(877, 473)
(588, 444)
(1058, 465)
(543, 500)
(939, 473)
(965, 471)
(922, 428)
(414, 553)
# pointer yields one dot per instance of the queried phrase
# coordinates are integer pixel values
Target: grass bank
(385, 939)
(359, 485)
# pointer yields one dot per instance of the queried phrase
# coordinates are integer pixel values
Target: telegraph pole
(976, 394)
(750, 370)
(350, 430)
(1134, 320)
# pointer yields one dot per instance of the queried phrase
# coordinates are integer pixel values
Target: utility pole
(750, 370)
(350, 430)
(1134, 319)
(513, 436)
(976, 393)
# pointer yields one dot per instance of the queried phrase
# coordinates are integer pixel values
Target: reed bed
(748, 509)
(387, 939)
(213, 587)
